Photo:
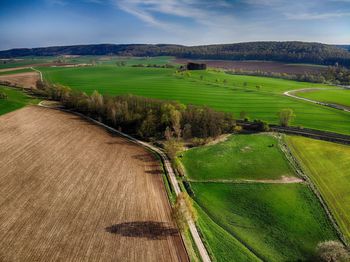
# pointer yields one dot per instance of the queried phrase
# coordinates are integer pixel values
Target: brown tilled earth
(26, 80)
(274, 67)
(70, 191)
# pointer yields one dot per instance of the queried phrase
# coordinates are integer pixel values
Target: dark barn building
(196, 66)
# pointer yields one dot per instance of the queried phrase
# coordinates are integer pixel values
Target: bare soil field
(71, 191)
(274, 67)
(26, 80)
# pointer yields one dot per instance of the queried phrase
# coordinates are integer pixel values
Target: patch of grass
(221, 245)
(232, 97)
(279, 222)
(328, 166)
(15, 100)
(239, 157)
(333, 96)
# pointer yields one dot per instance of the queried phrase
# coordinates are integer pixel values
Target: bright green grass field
(328, 166)
(333, 96)
(16, 99)
(221, 245)
(278, 222)
(239, 157)
(231, 97)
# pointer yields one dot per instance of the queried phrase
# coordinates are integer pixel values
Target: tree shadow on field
(155, 172)
(143, 229)
(144, 157)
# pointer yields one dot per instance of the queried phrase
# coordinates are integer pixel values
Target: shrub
(3, 95)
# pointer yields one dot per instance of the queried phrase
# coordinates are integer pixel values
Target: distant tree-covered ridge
(291, 52)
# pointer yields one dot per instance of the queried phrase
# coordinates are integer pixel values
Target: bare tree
(332, 251)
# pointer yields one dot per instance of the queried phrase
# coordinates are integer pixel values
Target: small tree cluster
(332, 251)
(183, 211)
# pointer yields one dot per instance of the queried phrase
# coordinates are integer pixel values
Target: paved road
(171, 174)
(290, 94)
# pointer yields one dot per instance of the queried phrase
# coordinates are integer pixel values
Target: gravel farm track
(71, 191)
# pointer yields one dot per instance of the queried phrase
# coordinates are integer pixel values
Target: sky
(39, 23)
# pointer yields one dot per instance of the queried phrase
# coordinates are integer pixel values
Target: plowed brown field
(26, 80)
(70, 191)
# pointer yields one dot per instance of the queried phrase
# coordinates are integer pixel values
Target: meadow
(223, 92)
(272, 221)
(278, 222)
(15, 100)
(245, 157)
(328, 166)
(333, 96)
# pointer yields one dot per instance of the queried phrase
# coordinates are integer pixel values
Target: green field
(274, 222)
(332, 96)
(232, 95)
(15, 100)
(328, 166)
(244, 157)
(281, 222)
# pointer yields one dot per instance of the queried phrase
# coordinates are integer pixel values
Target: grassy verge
(328, 166)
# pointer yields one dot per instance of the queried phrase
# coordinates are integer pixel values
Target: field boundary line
(302, 171)
(36, 70)
(167, 165)
(339, 107)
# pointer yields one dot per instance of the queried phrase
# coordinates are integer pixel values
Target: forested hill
(293, 52)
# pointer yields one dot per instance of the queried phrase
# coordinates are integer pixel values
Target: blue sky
(36, 23)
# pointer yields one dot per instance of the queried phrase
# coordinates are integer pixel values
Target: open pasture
(328, 166)
(277, 222)
(70, 191)
(272, 220)
(244, 157)
(228, 93)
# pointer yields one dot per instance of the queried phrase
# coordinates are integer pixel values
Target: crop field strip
(328, 166)
(259, 216)
(70, 191)
(232, 97)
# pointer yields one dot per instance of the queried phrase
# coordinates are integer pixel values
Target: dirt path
(283, 180)
(70, 191)
(291, 93)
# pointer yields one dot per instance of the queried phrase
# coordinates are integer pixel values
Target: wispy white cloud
(316, 16)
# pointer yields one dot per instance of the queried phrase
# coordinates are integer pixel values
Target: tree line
(289, 52)
(143, 117)
(337, 75)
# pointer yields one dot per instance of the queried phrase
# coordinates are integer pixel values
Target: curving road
(290, 94)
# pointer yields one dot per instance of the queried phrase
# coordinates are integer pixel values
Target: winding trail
(167, 165)
(36, 70)
(290, 93)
